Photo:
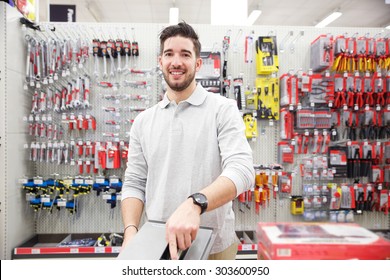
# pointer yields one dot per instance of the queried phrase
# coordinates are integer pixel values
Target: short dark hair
(181, 29)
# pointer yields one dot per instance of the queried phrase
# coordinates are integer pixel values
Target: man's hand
(182, 227)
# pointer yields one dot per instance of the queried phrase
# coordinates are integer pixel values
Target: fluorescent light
(387, 27)
(332, 17)
(253, 17)
(229, 12)
(173, 16)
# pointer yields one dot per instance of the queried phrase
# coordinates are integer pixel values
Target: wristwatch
(201, 200)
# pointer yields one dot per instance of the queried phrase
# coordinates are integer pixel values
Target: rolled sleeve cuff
(133, 193)
(241, 182)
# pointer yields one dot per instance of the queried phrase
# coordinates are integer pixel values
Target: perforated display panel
(94, 214)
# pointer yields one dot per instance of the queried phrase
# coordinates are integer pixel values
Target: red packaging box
(319, 241)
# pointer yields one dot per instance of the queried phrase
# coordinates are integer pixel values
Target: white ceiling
(356, 13)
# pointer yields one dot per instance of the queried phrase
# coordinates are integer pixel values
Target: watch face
(201, 200)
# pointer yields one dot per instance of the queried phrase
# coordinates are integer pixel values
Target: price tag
(116, 249)
(100, 180)
(61, 203)
(291, 107)
(23, 181)
(89, 181)
(106, 196)
(99, 250)
(68, 181)
(45, 199)
(79, 181)
(114, 181)
(38, 181)
(35, 251)
(246, 247)
(74, 250)
(119, 197)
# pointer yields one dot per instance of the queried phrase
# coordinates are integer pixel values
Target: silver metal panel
(152, 236)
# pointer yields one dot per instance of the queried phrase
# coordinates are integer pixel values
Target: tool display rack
(18, 222)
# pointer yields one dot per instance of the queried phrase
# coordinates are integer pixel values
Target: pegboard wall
(116, 98)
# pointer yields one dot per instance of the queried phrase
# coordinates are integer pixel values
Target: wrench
(86, 103)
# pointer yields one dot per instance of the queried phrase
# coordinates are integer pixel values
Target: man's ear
(199, 63)
(159, 62)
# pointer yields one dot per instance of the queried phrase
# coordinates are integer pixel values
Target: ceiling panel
(356, 13)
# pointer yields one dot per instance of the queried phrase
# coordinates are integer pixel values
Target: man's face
(179, 63)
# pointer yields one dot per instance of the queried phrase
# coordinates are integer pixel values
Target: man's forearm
(131, 215)
(220, 192)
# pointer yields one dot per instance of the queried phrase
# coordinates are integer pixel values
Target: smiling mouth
(176, 74)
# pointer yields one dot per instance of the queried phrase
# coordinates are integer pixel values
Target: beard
(179, 86)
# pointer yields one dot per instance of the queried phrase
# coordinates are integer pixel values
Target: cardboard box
(319, 241)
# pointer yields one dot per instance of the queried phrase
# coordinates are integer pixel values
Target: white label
(45, 199)
(99, 250)
(114, 181)
(116, 249)
(106, 196)
(35, 251)
(79, 181)
(23, 181)
(246, 247)
(89, 181)
(38, 181)
(61, 203)
(100, 180)
(68, 182)
(74, 250)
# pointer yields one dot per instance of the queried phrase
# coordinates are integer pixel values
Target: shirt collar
(196, 98)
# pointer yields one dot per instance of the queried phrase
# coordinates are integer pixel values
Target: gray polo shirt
(178, 149)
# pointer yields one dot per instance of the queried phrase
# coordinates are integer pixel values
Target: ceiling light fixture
(229, 12)
(330, 18)
(253, 17)
(173, 16)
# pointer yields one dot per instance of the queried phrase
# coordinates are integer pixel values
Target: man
(188, 155)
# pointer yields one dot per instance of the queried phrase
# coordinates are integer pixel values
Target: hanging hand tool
(111, 55)
(127, 50)
(119, 52)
